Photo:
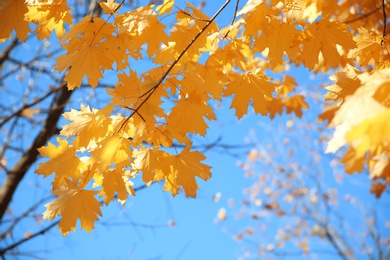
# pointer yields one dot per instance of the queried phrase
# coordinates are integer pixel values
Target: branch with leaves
(195, 62)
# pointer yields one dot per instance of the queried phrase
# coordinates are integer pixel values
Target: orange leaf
(60, 156)
(12, 14)
(74, 203)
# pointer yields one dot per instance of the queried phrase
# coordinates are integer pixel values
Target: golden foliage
(196, 62)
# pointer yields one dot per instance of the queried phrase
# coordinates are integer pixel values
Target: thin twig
(22, 241)
(384, 21)
(360, 17)
(234, 18)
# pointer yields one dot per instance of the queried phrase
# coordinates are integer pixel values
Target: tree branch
(49, 129)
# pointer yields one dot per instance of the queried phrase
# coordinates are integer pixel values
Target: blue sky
(142, 229)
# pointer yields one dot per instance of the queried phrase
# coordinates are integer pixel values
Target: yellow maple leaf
(113, 181)
(370, 134)
(372, 47)
(352, 163)
(87, 56)
(59, 157)
(12, 14)
(112, 149)
(322, 37)
(49, 17)
(74, 203)
(278, 38)
(187, 116)
(87, 124)
(295, 103)
(346, 83)
(255, 14)
(358, 107)
(236, 53)
(183, 169)
(109, 7)
(132, 93)
(148, 161)
(187, 27)
(249, 87)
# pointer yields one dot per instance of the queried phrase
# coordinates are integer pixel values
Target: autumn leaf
(74, 203)
(322, 37)
(88, 125)
(12, 14)
(114, 182)
(86, 55)
(148, 161)
(50, 17)
(279, 39)
(187, 116)
(109, 7)
(183, 168)
(114, 149)
(250, 87)
(371, 47)
(60, 155)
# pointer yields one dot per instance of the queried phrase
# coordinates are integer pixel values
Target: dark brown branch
(49, 129)
(384, 20)
(5, 54)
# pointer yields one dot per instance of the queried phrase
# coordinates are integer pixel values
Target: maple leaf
(185, 30)
(236, 53)
(187, 115)
(183, 168)
(86, 55)
(148, 161)
(370, 134)
(255, 13)
(296, 103)
(142, 26)
(278, 38)
(133, 94)
(113, 181)
(60, 156)
(12, 14)
(74, 203)
(377, 188)
(109, 7)
(370, 46)
(112, 149)
(323, 37)
(352, 163)
(346, 84)
(357, 107)
(87, 124)
(250, 87)
(50, 17)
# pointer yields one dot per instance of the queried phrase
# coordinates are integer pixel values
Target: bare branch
(49, 129)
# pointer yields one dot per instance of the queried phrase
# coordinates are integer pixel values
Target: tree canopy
(146, 127)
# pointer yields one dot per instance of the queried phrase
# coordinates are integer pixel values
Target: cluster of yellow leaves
(359, 98)
(197, 62)
(46, 15)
